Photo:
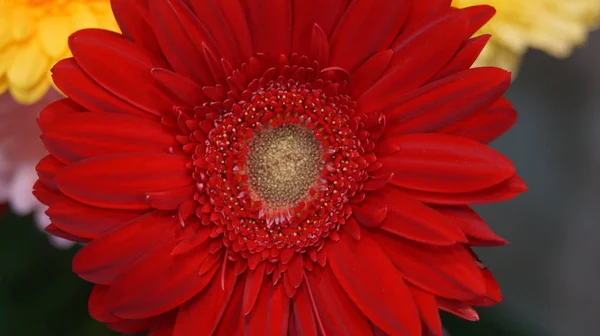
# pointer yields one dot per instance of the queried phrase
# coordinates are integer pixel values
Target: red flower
(286, 167)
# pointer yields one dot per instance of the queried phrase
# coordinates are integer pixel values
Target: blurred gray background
(550, 271)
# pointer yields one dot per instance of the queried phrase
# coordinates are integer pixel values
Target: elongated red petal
(466, 56)
(107, 257)
(232, 321)
(448, 100)
(254, 282)
(414, 220)
(226, 23)
(270, 23)
(131, 15)
(338, 313)
(370, 71)
(487, 124)
(448, 271)
(193, 316)
(87, 135)
(366, 28)
(501, 192)
(159, 282)
(371, 212)
(70, 78)
(305, 17)
(121, 68)
(406, 71)
(86, 221)
(427, 305)
(270, 316)
(376, 287)
(303, 315)
(458, 308)
(122, 181)
(471, 224)
(181, 37)
(448, 164)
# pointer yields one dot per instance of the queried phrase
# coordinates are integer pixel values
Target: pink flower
(20, 150)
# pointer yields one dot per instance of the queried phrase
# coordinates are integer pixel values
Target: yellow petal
(82, 17)
(53, 33)
(31, 95)
(29, 66)
(5, 33)
(7, 57)
(23, 24)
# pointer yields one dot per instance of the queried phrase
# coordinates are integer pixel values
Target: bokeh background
(550, 271)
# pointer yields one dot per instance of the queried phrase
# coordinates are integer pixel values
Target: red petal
(122, 181)
(458, 308)
(352, 228)
(270, 315)
(132, 19)
(131, 326)
(121, 67)
(487, 124)
(366, 28)
(448, 271)
(465, 57)
(225, 21)
(47, 169)
(159, 282)
(254, 282)
(302, 317)
(270, 23)
(427, 305)
(202, 315)
(84, 135)
(86, 221)
(179, 86)
(493, 294)
(232, 321)
(478, 16)
(447, 164)
(53, 230)
(414, 220)
(319, 47)
(164, 326)
(371, 212)
(181, 37)
(58, 110)
(337, 311)
(108, 257)
(416, 60)
(369, 72)
(471, 224)
(425, 11)
(448, 100)
(375, 286)
(500, 192)
(72, 81)
(97, 305)
(305, 17)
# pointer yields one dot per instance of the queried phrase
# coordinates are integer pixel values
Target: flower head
(33, 36)
(286, 167)
(554, 26)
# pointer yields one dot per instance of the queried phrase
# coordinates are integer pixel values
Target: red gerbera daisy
(284, 167)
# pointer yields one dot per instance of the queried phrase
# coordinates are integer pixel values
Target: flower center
(282, 164)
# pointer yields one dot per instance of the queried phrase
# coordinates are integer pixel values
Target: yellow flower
(33, 36)
(554, 26)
